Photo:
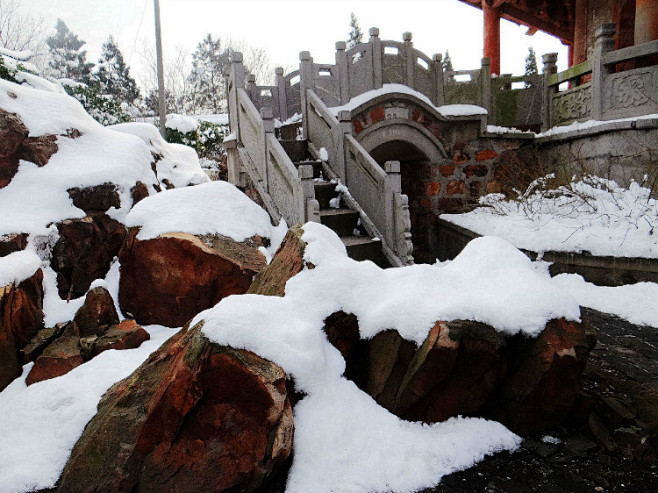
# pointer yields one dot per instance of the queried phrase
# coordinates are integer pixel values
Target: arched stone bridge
(375, 123)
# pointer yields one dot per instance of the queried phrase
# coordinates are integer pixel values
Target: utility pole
(162, 105)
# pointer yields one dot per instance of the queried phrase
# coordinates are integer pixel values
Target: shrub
(206, 139)
(104, 109)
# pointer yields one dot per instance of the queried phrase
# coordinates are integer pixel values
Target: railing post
(236, 82)
(438, 91)
(485, 85)
(268, 129)
(250, 87)
(393, 177)
(345, 123)
(377, 69)
(281, 93)
(411, 58)
(398, 222)
(550, 68)
(343, 72)
(605, 42)
(305, 83)
(311, 207)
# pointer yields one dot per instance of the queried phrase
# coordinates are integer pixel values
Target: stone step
(324, 192)
(289, 131)
(317, 167)
(343, 221)
(365, 248)
(297, 150)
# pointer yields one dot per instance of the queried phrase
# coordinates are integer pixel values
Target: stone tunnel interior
(417, 173)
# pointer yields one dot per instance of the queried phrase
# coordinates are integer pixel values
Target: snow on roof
(360, 446)
(18, 266)
(446, 110)
(216, 208)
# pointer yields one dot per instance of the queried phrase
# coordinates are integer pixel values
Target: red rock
(21, 317)
(12, 243)
(479, 170)
(39, 150)
(84, 252)
(12, 133)
(460, 158)
(59, 358)
(139, 192)
(126, 335)
(97, 313)
(169, 279)
(195, 417)
(98, 198)
(455, 187)
(486, 155)
(447, 170)
(432, 188)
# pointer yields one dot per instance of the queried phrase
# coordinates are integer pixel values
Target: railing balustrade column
(268, 127)
(411, 58)
(438, 92)
(485, 84)
(281, 93)
(236, 82)
(377, 68)
(345, 122)
(305, 83)
(550, 68)
(605, 42)
(343, 71)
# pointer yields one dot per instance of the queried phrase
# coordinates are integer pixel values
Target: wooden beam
(519, 16)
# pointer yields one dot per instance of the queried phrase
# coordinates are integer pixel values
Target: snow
(495, 129)
(591, 124)
(324, 155)
(451, 110)
(183, 124)
(217, 119)
(22, 56)
(41, 423)
(344, 441)
(592, 215)
(18, 266)
(633, 302)
(216, 208)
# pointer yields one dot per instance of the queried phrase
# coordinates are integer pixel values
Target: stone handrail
(325, 131)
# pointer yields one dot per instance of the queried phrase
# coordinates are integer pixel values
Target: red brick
(358, 126)
(479, 170)
(447, 170)
(460, 157)
(432, 188)
(455, 187)
(486, 155)
(377, 115)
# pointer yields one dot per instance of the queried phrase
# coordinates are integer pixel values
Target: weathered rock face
(195, 417)
(287, 262)
(126, 335)
(467, 368)
(12, 134)
(21, 317)
(84, 252)
(97, 313)
(59, 358)
(169, 279)
(39, 150)
(98, 198)
(12, 243)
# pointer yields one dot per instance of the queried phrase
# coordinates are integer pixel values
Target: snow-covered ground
(592, 215)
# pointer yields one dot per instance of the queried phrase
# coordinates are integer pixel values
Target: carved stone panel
(630, 93)
(572, 105)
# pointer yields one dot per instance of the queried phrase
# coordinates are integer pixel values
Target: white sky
(286, 27)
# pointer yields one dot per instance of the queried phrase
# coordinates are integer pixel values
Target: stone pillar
(236, 81)
(411, 58)
(580, 33)
(252, 90)
(343, 72)
(485, 84)
(605, 42)
(646, 21)
(305, 83)
(268, 127)
(377, 70)
(280, 82)
(345, 122)
(550, 68)
(438, 91)
(491, 36)
(392, 169)
(311, 212)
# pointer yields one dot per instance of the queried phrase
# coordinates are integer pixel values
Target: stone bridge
(379, 143)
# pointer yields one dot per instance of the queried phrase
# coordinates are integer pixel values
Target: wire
(139, 29)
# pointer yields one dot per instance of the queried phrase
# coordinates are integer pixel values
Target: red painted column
(646, 21)
(492, 36)
(580, 33)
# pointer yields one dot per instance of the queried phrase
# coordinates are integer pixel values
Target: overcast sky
(286, 27)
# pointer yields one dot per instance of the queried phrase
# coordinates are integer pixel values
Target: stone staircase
(334, 212)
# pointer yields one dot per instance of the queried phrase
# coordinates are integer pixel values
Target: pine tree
(69, 60)
(530, 64)
(447, 62)
(206, 77)
(113, 76)
(355, 35)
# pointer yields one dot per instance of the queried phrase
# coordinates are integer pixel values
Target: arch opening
(418, 177)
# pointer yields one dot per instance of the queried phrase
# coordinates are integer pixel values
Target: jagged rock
(59, 358)
(97, 313)
(98, 198)
(467, 368)
(84, 252)
(169, 279)
(21, 317)
(39, 150)
(41, 341)
(126, 335)
(287, 262)
(195, 417)
(139, 192)
(12, 134)
(12, 243)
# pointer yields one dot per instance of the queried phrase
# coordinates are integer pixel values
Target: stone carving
(629, 90)
(575, 104)
(403, 247)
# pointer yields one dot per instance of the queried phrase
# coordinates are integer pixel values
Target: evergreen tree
(447, 62)
(113, 76)
(531, 64)
(206, 77)
(355, 35)
(69, 60)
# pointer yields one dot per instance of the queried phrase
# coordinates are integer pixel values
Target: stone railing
(603, 88)
(375, 192)
(286, 191)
